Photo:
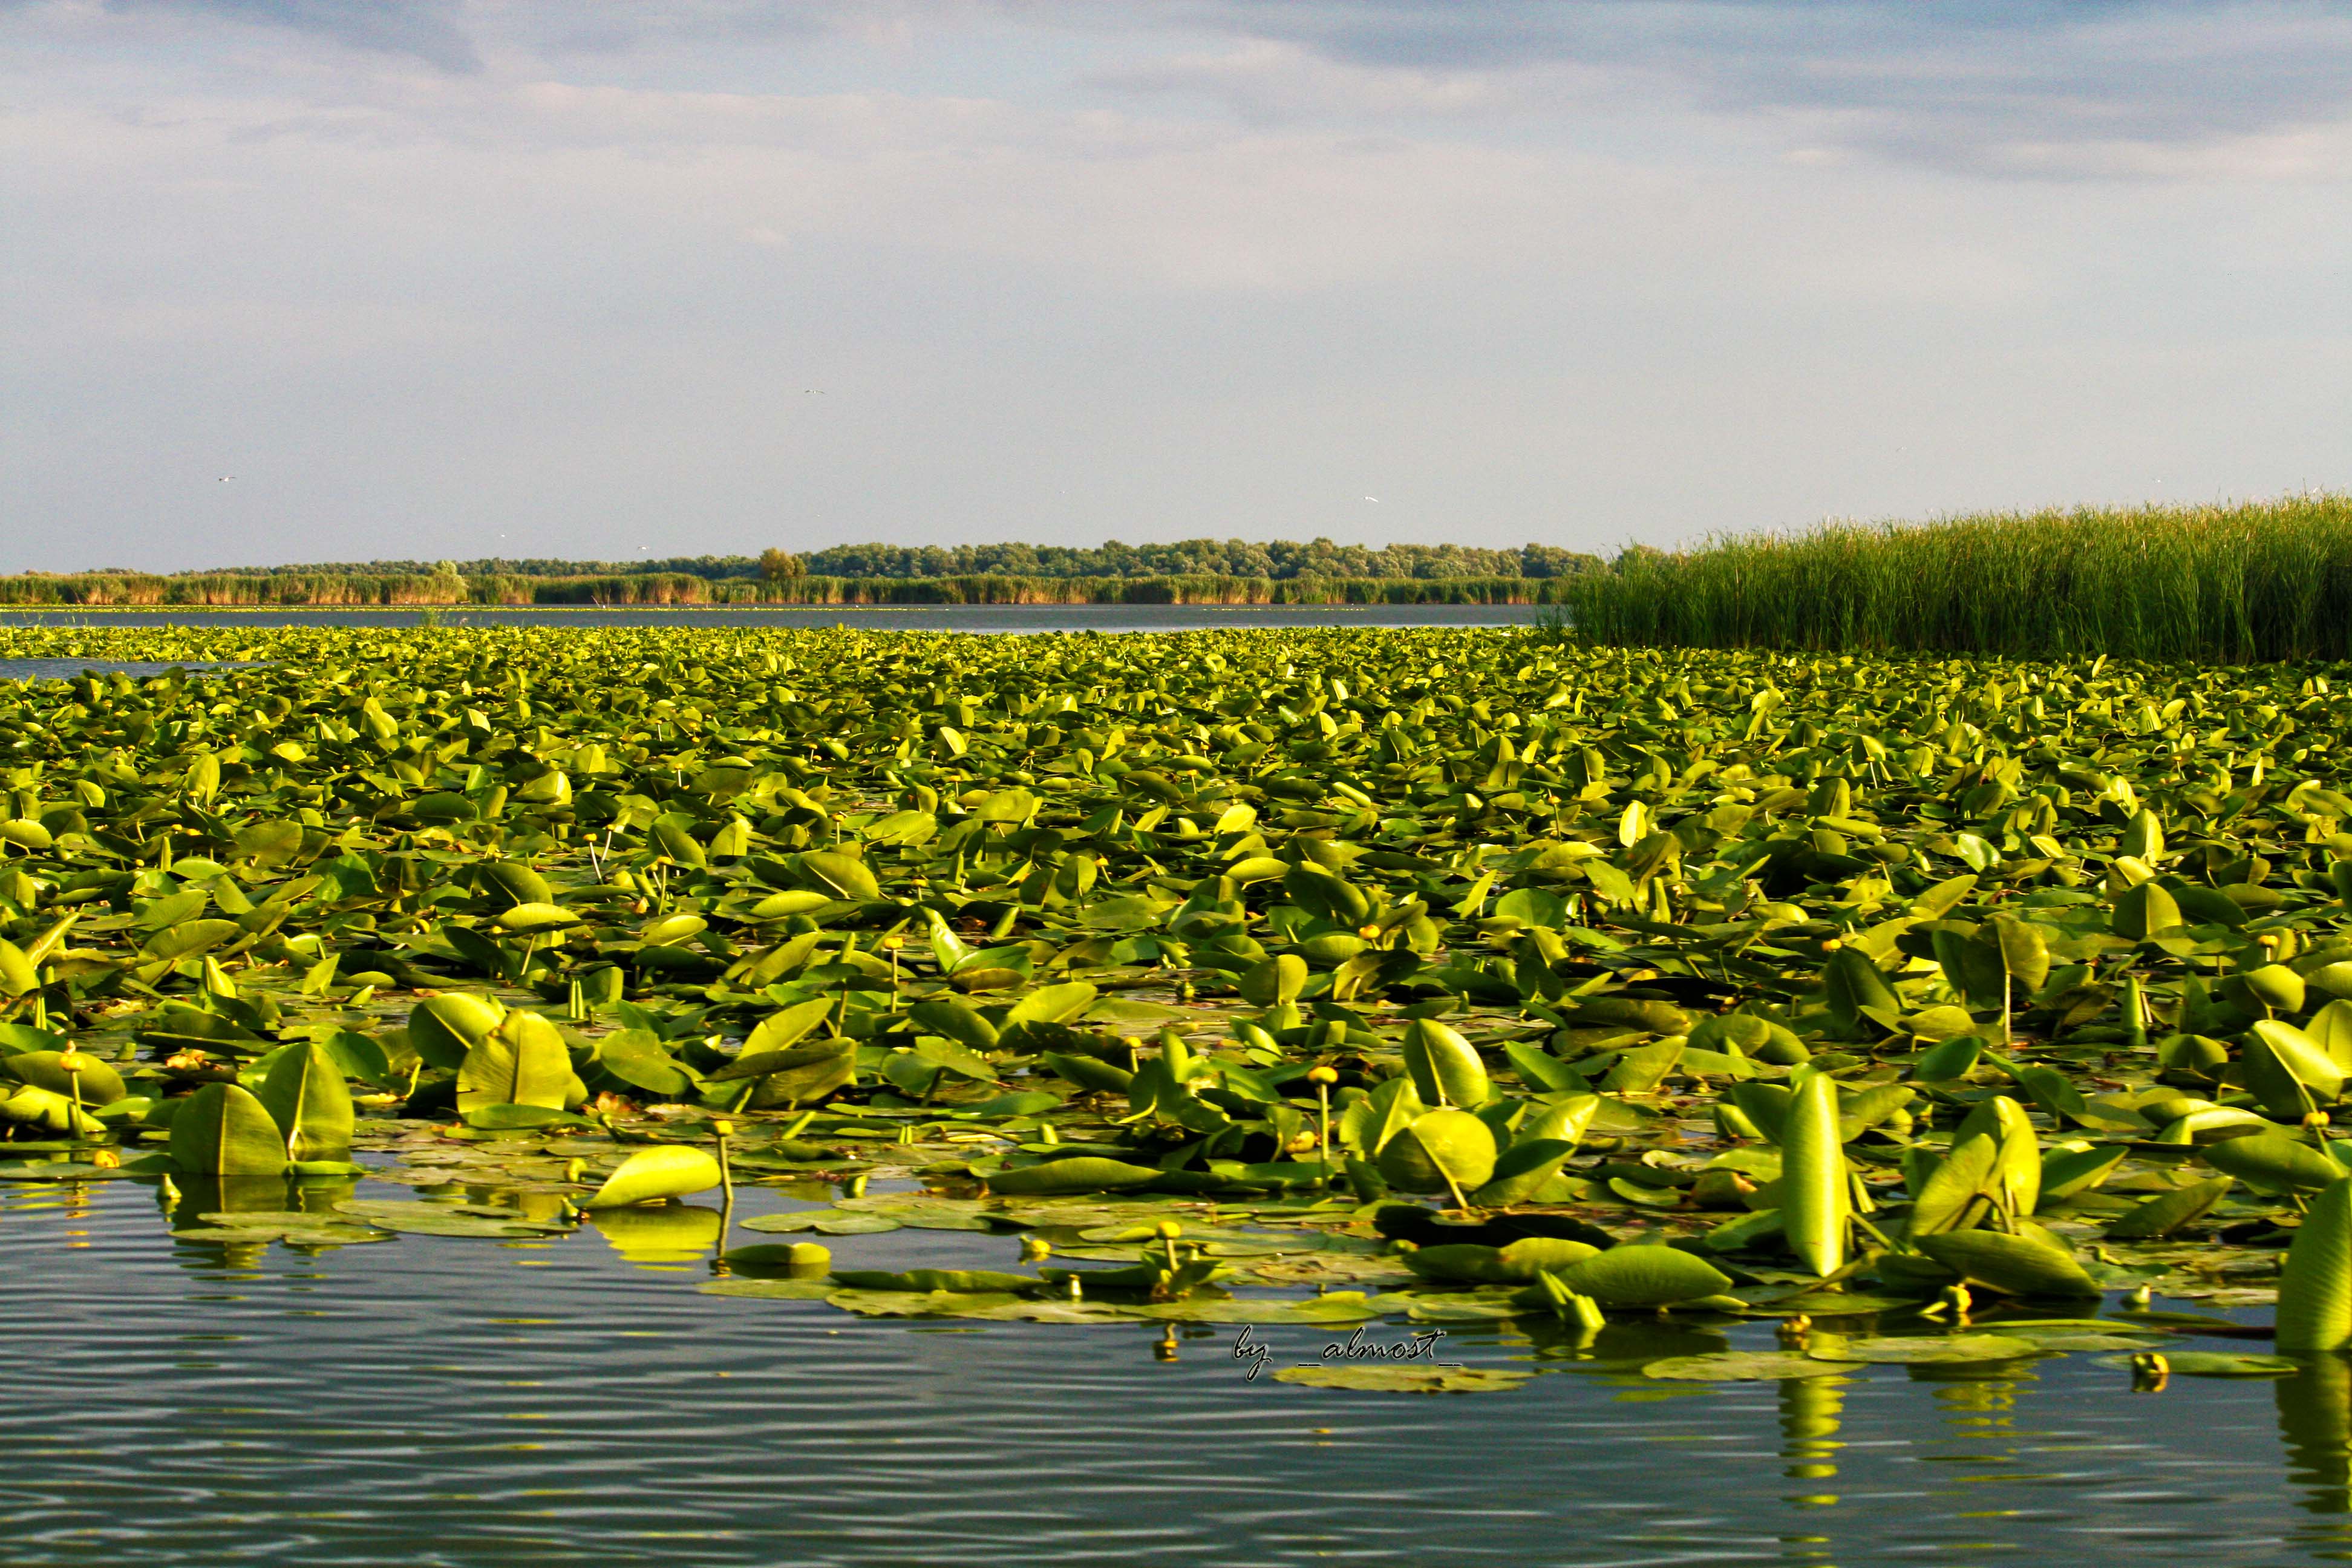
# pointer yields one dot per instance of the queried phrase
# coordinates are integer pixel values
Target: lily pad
(772, 1289)
(2219, 1363)
(1744, 1366)
(1337, 1309)
(1926, 1349)
(445, 1219)
(825, 1222)
(1406, 1379)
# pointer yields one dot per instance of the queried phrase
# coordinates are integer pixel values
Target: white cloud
(1067, 271)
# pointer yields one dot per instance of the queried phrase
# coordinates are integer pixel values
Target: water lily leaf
(536, 918)
(2014, 1264)
(1439, 1151)
(654, 1175)
(2056, 1340)
(638, 1057)
(2219, 1363)
(190, 938)
(1405, 1379)
(2169, 1212)
(1080, 1175)
(443, 1029)
(224, 1130)
(1746, 1366)
(830, 1222)
(305, 1096)
(1052, 1004)
(1337, 1308)
(1445, 1067)
(2277, 1161)
(292, 1227)
(521, 1062)
(772, 1289)
(60, 1171)
(520, 1118)
(65, 1073)
(2314, 1305)
(920, 1303)
(846, 876)
(514, 882)
(444, 1219)
(1922, 1349)
(1638, 1276)
(1812, 1196)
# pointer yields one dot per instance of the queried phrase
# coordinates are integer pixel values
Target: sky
(287, 280)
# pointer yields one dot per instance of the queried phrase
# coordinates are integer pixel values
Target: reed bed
(2263, 581)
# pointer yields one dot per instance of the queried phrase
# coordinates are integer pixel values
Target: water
(890, 617)
(438, 1402)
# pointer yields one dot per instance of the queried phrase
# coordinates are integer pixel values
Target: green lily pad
(444, 1219)
(1926, 1349)
(1744, 1366)
(1337, 1309)
(2217, 1363)
(773, 1290)
(824, 1222)
(1405, 1379)
(920, 1303)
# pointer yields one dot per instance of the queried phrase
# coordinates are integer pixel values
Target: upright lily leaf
(521, 1062)
(2315, 1303)
(655, 1175)
(224, 1130)
(307, 1096)
(1813, 1199)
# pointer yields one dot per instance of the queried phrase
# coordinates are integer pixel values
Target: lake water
(893, 617)
(435, 1402)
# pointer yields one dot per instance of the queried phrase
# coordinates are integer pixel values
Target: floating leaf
(1744, 1366)
(1405, 1379)
(1922, 1349)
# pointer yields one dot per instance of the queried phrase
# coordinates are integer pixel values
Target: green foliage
(2271, 580)
(1709, 981)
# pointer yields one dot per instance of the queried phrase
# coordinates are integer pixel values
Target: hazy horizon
(301, 280)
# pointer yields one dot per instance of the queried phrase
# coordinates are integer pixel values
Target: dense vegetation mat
(1453, 977)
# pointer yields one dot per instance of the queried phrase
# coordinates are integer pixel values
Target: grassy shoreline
(106, 590)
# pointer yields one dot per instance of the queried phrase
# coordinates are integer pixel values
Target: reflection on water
(672, 1233)
(2315, 1416)
(1809, 1407)
(572, 1398)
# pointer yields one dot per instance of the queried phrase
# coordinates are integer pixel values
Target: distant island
(1192, 572)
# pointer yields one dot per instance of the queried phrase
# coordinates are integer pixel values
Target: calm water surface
(432, 1401)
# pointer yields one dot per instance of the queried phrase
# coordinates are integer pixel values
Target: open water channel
(577, 1400)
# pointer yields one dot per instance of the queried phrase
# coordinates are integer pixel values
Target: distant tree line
(1280, 561)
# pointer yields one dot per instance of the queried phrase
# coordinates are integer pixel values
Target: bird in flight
(1374, 500)
(226, 477)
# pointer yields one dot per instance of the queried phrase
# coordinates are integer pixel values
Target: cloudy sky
(609, 278)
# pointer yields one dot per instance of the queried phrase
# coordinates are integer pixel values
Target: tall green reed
(2259, 581)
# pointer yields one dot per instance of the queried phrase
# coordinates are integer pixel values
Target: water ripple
(432, 1402)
